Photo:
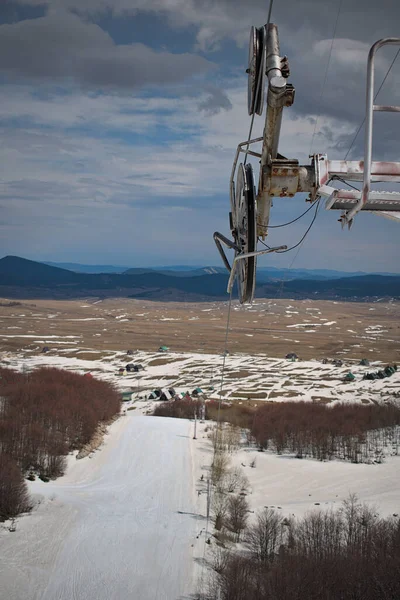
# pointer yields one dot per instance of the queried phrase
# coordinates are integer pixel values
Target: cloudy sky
(119, 122)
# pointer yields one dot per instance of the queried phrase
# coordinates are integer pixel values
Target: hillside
(22, 278)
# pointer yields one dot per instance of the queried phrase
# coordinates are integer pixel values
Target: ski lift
(284, 177)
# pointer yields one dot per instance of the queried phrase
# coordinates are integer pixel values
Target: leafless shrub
(351, 554)
(265, 535)
(219, 559)
(219, 508)
(219, 468)
(14, 498)
(237, 514)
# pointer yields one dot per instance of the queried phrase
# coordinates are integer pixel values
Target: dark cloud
(61, 46)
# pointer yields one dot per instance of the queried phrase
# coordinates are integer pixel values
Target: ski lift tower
(281, 177)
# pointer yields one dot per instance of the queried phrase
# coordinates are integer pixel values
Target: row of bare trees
(359, 433)
(179, 409)
(355, 432)
(350, 554)
(43, 416)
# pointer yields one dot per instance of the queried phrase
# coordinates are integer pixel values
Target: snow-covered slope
(117, 526)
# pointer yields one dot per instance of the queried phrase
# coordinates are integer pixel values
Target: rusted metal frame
(353, 170)
(382, 108)
(348, 199)
(221, 239)
(240, 149)
(276, 100)
(247, 255)
(369, 125)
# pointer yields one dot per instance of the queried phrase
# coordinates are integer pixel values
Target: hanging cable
(375, 97)
(337, 178)
(306, 233)
(326, 75)
(290, 222)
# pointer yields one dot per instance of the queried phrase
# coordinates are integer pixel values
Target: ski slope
(119, 525)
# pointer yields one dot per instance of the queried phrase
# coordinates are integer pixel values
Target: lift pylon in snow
(281, 177)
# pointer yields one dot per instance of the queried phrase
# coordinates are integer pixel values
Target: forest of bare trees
(354, 432)
(44, 415)
(348, 554)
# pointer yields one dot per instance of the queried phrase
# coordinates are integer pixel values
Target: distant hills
(22, 278)
(263, 273)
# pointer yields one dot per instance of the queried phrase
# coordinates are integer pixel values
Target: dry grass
(159, 362)
(267, 323)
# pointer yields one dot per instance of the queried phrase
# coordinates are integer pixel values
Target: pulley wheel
(244, 231)
(256, 71)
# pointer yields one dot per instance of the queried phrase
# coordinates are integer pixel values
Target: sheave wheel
(244, 231)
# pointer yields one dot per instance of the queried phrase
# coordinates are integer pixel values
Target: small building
(324, 361)
(163, 349)
(121, 371)
(45, 349)
(137, 368)
(292, 356)
(364, 362)
(129, 352)
(161, 394)
(129, 367)
(127, 396)
(337, 362)
(349, 377)
(197, 392)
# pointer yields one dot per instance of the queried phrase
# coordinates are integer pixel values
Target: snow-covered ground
(130, 522)
(246, 377)
(120, 525)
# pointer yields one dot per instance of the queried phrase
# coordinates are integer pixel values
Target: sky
(119, 122)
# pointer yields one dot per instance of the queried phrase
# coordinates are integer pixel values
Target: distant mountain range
(22, 278)
(263, 273)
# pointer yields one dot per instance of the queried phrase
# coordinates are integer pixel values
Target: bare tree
(237, 514)
(14, 498)
(219, 507)
(264, 536)
(219, 468)
(235, 480)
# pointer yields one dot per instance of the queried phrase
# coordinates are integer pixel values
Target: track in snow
(120, 527)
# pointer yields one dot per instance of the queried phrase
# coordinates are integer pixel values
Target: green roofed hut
(163, 349)
(349, 377)
(197, 392)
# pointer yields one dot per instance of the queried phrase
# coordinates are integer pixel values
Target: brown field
(312, 329)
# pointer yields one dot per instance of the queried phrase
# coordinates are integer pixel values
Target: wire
(337, 178)
(326, 75)
(224, 359)
(305, 235)
(290, 222)
(375, 97)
